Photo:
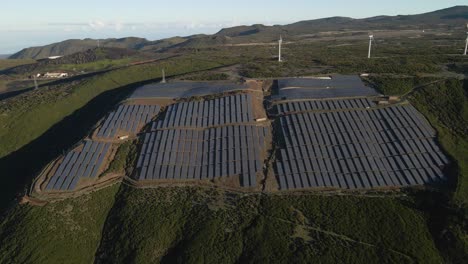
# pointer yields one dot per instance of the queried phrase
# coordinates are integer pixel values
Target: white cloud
(97, 24)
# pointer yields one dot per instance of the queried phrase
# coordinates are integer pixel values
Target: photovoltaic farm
(216, 112)
(348, 148)
(321, 141)
(84, 162)
(127, 119)
(205, 140)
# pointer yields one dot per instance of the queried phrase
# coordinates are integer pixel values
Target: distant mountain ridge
(87, 56)
(452, 17)
(71, 46)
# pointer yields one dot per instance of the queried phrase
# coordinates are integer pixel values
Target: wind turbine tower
(280, 42)
(35, 82)
(163, 77)
(371, 38)
(466, 43)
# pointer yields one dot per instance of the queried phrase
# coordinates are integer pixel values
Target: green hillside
(189, 225)
(71, 46)
(64, 232)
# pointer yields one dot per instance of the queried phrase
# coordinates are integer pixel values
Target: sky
(26, 23)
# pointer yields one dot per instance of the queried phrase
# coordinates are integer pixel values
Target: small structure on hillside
(55, 75)
(54, 57)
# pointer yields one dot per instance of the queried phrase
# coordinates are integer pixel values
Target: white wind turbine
(280, 42)
(371, 38)
(163, 73)
(466, 42)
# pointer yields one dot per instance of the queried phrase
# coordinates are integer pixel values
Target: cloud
(118, 26)
(97, 24)
(189, 26)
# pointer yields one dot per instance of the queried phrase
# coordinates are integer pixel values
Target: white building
(55, 75)
(54, 57)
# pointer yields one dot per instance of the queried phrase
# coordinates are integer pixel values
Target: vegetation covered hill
(454, 17)
(79, 58)
(190, 225)
(71, 46)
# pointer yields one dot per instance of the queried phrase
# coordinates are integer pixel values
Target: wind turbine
(35, 82)
(466, 42)
(163, 77)
(371, 38)
(280, 41)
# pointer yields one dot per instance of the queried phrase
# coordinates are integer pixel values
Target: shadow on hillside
(20, 167)
(465, 86)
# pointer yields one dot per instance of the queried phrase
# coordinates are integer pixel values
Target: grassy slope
(63, 232)
(5, 63)
(189, 225)
(91, 66)
(124, 158)
(28, 116)
(445, 105)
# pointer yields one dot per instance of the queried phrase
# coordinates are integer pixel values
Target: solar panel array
(219, 111)
(127, 118)
(203, 154)
(337, 86)
(301, 93)
(303, 106)
(335, 81)
(381, 147)
(84, 163)
(184, 89)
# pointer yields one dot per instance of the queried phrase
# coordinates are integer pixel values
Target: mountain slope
(71, 46)
(82, 57)
(454, 17)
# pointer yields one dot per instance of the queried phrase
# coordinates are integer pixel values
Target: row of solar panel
(345, 134)
(128, 119)
(324, 93)
(368, 162)
(185, 89)
(336, 123)
(362, 180)
(406, 114)
(84, 163)
(215, 133)
(333, 139)
(304, 106)
(343, 82)
(363, 149)
(246, 168)
(220, 111)
(206, 156)
(398, 139)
